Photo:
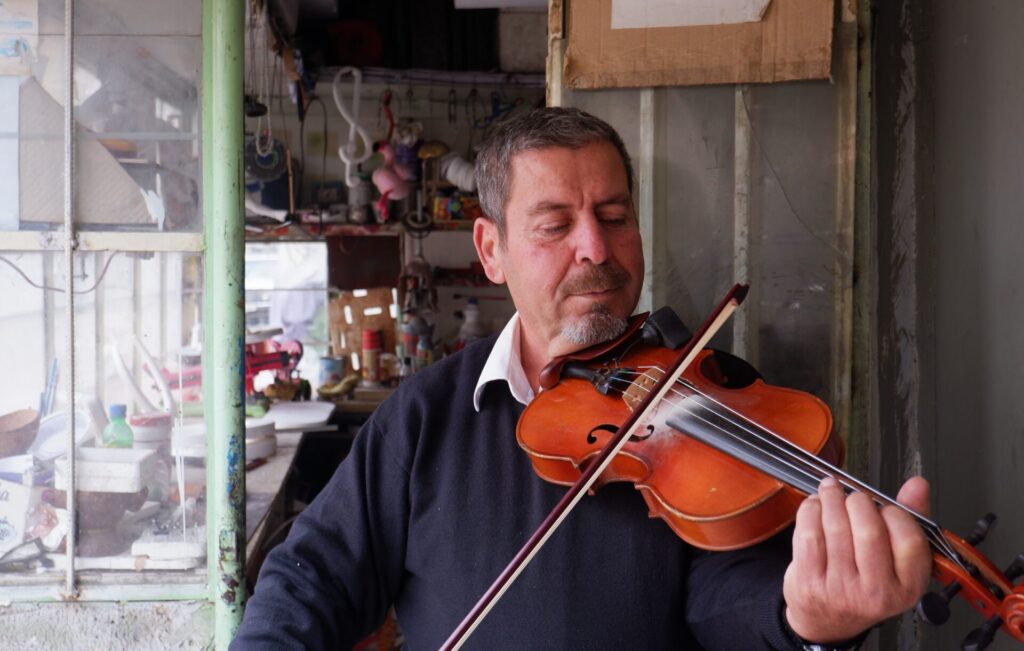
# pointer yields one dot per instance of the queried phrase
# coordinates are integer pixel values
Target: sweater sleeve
(329, 584)
(734, 599)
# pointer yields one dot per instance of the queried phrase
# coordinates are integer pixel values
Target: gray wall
(793, 174)
(978, 296)
(950, 167)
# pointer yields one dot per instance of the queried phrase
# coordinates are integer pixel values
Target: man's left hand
(854, 564)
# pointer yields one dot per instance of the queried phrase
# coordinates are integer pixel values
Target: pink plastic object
(389, 182)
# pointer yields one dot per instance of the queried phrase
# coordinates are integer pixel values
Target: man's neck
(535, 355)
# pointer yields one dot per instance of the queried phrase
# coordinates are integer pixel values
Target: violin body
(710, 499)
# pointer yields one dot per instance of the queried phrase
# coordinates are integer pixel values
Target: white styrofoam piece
(259, 427)
(260, 448)
(296, 415)
(107, 470)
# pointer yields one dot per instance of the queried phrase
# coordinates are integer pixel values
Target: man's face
(571, 256)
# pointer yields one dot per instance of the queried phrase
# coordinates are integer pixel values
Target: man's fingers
(914, 495)
(871, 541)
(911, 557)
(836, 524)
(809, 539)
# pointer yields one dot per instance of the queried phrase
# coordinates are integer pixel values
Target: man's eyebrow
(549, 206)
(615, 200)
(546, 206)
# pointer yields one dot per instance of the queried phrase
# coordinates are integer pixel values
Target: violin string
(794, 457)
(798, 461)
(802, 462)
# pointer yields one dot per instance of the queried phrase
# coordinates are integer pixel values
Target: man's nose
(591, 240)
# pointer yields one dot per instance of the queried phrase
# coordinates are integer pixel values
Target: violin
(724, 466)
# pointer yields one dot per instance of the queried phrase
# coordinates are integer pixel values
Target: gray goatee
(596, 326)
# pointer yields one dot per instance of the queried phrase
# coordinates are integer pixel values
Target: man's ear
(487, 241)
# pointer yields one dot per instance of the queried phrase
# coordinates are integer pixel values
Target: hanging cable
(264, 147)
(48, 288)
(347, 152)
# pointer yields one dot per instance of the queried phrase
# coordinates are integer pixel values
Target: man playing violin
(435, 497)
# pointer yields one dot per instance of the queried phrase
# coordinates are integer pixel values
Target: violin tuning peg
(981, 528)
(1016, 568)
(982, 636)
(934, 606)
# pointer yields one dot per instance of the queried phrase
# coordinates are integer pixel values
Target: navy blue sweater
(433, 502)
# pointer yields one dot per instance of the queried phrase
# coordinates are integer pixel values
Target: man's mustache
(596, 278)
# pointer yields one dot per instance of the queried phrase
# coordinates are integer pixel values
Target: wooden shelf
(312, 232)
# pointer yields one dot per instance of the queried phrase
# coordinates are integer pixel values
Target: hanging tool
(347, 152)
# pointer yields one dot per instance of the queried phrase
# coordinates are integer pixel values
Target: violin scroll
(989, 591)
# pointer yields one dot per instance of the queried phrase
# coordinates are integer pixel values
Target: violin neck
(715, 424)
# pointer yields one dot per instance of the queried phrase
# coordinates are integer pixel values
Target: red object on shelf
(271, 355)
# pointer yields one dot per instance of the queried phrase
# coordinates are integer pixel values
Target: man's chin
(592, 328)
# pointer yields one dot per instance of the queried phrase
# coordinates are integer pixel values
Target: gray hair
(535, 129)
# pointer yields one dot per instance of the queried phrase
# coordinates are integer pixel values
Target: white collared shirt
(505, 363)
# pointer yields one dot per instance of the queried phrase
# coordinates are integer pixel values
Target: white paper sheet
(633, 14)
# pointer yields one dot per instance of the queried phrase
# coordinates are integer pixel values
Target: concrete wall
(792, 196)
(110, 626)
(978, 70)
(949, 167)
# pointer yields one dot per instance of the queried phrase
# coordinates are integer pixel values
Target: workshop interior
(231, 229)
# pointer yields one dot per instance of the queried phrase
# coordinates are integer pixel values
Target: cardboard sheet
(106, 194)
(793, 40)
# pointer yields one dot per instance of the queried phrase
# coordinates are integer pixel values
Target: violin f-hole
(611, 429)
(604, 427)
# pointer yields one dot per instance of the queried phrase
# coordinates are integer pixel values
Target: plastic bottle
(424, 353)
(472, 328)
(371, 357)
(117, 433)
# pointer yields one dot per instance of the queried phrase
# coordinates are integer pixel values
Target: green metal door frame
(224, 309)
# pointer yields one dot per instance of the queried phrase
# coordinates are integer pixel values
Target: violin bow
(593, 471)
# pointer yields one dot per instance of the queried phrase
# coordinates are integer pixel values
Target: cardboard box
(792, 40)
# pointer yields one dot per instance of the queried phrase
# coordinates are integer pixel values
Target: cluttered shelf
(309, 228)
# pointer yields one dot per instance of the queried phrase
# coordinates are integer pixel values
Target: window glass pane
(31, 84)
(136, 345)
(30, 523)
(136, 81)
(130, 481)
(286, 296)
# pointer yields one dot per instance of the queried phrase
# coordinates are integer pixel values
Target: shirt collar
(505, 363)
